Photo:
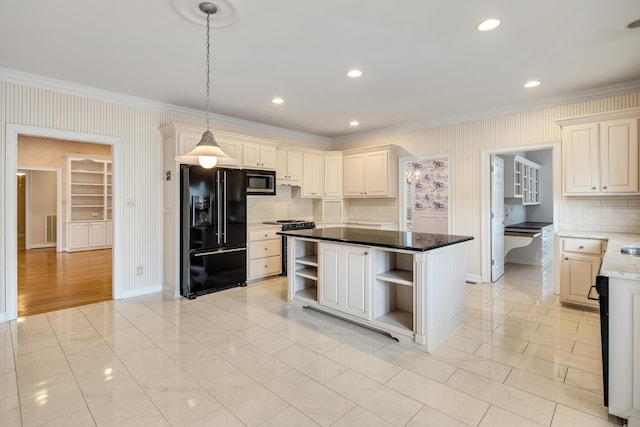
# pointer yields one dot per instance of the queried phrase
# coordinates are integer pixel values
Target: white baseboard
(139, 292)
(42, 245)
(3, 317)
(473, 278)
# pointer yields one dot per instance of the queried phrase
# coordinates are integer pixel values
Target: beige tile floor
(245, 357)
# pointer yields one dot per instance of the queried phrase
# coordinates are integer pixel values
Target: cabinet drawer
(583, 246)
(264, 249)
(265, 266)
(257, 235)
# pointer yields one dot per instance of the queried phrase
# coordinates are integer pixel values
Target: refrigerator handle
(218, 205)
(224, 207)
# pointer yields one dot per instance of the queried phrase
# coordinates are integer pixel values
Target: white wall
(464, 142)
(42, 200)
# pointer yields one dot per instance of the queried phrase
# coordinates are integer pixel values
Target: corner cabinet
(600, 157)
(371, 174)
(89, 202)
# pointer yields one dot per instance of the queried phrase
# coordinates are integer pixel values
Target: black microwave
(261, 182)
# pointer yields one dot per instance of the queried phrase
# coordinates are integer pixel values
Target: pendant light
(207, 153)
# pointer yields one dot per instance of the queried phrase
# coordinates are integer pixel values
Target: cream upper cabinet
(258, 156)
(333, 175)
(312, 175)
(289, 167)
(601, 157)
(619, 156)
(371, 174)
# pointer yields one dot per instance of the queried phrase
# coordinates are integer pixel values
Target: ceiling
(422, 60)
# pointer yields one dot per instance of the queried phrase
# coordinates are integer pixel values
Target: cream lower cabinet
(265, 253)
(344, 274)
(624, 349)
(580, 262)
(84, 236)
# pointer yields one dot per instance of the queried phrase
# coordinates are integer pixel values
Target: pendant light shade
(207, 153)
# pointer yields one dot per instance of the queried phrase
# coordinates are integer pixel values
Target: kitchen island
(409, 285)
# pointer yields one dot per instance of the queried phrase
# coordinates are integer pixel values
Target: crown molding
(602, 92)
(32, 80)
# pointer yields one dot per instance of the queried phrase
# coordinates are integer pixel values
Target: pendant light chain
(208, 71)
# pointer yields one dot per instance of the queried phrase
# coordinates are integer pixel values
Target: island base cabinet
(416, 297)
(624, 349)
(344, 279)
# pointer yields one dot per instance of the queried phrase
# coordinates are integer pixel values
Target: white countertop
(615, 263)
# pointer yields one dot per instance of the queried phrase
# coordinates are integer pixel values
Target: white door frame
(27, 233)
(11, 214)
(485, 197)
(402, 180)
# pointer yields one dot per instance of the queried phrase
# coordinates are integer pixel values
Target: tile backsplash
(280, 206)
(615, 214)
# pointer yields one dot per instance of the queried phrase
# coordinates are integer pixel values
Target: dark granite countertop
(419, 242)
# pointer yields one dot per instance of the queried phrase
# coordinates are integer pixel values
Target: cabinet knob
(593, 188)
(266, 235)
(604, 188)
(566, 258)
(265, 249)
(581, 247)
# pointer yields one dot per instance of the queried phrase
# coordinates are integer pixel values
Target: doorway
(548, 155)
(50, 277)
(424, 194)
(10, 273)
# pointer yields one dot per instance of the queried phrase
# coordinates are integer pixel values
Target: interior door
(497, 217)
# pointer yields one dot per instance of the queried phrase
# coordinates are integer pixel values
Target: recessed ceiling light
(488, 24)
(532, 83)
(277, 100)
(354, 73)
(634, 24)
(354, 123)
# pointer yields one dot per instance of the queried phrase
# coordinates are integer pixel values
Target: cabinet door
(356, 286)
(294, 165)
(619, 156)
(250, 155)
(267, 157)
(578, 274)
(78, 236)
(376, 174)
(329, 279)
(354, 175)
(109, 233)
(281, 166)
(333, 176)
(232, 149)
(97, 234)
(312, 175)
(580, 159)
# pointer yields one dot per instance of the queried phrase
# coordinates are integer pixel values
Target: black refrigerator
(213, 240)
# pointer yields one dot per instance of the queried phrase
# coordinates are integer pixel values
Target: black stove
(293, 224)
(288, 225)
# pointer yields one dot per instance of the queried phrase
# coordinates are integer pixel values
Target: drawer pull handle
(581, 247)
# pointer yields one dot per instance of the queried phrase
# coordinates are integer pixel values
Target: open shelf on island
(309, 273)
(397, 318)
(308, 293)
(401, 277)
(310, 260)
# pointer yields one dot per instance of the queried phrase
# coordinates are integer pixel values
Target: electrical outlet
(139, 270)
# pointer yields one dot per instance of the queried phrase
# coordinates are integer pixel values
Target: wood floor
(50, 280)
